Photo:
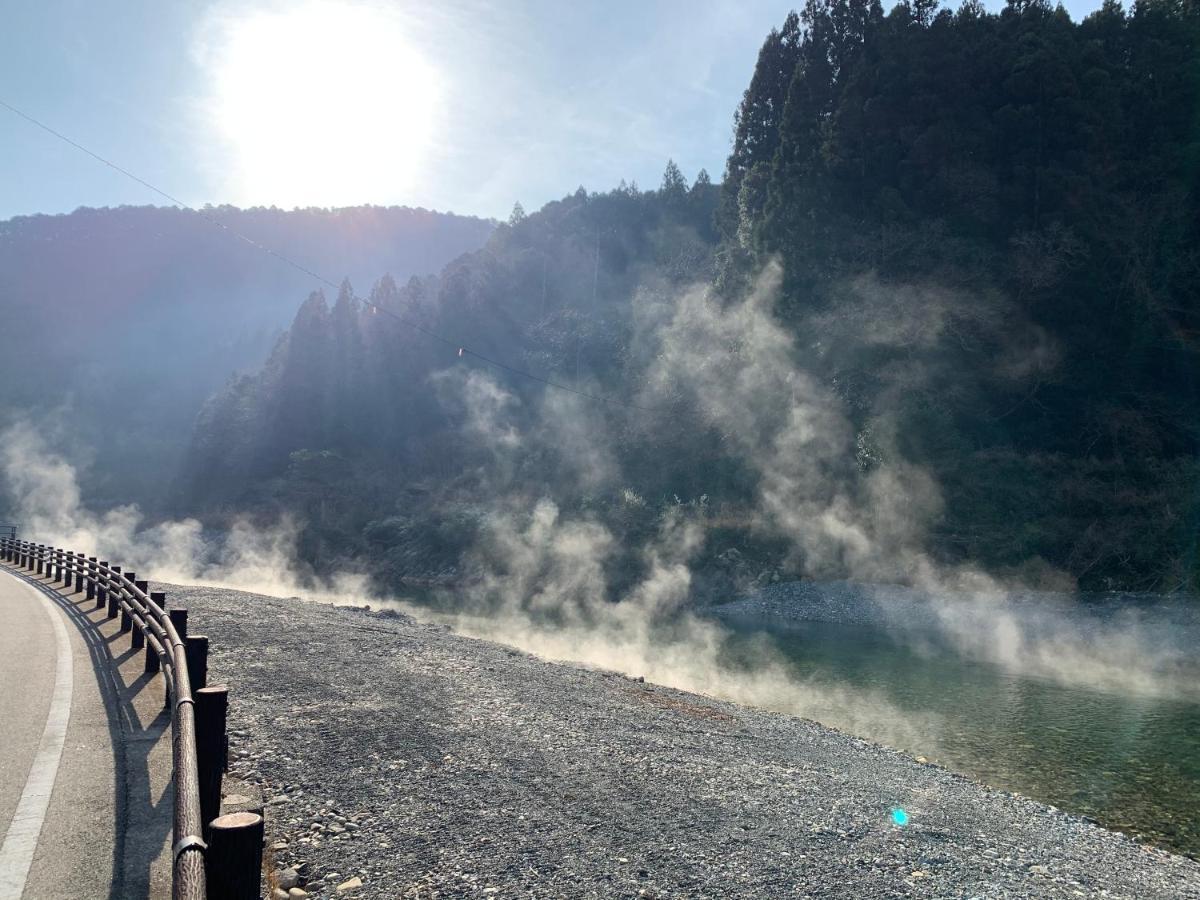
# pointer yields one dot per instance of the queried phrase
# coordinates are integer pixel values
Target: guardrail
(213, 857)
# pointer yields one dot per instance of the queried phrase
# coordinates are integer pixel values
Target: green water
(1131, 763)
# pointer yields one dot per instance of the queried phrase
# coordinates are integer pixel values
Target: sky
(457, 105)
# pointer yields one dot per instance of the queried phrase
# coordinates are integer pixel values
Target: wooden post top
(235, 821)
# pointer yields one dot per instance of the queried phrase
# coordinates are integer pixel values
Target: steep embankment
(428, 764)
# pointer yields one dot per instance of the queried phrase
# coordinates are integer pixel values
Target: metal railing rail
(209, 856)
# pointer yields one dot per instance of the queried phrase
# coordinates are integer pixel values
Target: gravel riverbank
(423, 764)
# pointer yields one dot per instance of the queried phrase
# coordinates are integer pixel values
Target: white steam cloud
(546, 583)
(44, 494)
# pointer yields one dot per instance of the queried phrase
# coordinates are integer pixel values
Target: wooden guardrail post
(79, 564)
(234, 857)
(91, 585)
(196, 652)
(38, 561)
(212, 708)
(126, 616)
(113, 590)
(101, 590)
(178, 619)
(138, 639)
(159, 599)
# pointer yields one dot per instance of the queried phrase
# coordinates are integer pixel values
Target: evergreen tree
(674, 186)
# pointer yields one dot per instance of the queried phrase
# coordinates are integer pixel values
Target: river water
(1131, 762)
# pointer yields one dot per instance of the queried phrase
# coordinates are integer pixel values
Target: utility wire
(462, 350)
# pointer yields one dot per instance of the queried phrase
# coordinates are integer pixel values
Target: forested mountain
(1032, 172)
(988, 233)
(131, 317)
(357, 419)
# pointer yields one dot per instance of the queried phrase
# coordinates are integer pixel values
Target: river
(1130, 761)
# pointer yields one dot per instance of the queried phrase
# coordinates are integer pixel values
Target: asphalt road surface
(85, 796)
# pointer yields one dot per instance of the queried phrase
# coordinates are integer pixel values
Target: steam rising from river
(545, 583)
(248, 557)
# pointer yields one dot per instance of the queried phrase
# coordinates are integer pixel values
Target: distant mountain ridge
(144, 311)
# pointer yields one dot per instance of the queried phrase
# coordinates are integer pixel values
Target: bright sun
(321, 103)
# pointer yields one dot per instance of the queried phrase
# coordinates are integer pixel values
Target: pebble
(287, 878)
(349, 885)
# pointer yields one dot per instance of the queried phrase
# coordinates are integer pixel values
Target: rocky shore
(400, 760)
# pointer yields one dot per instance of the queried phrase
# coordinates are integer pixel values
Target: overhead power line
(462, 349)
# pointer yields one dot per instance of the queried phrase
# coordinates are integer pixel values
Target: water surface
(1130, 762)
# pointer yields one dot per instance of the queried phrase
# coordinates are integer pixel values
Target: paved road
(85, 798)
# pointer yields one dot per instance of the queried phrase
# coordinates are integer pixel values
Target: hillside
(132, 316)
(951, 324)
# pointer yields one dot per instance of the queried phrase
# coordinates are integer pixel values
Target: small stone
(349, 885)
(336, 829)
(279, 845)
(279, 894)
(1038, 870)
(297, 894)
(287, 878)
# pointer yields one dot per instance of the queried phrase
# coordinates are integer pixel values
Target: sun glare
(320, 103)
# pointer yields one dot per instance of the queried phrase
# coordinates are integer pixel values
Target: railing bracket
(187, 843)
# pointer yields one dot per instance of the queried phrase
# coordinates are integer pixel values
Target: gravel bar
(400, 760)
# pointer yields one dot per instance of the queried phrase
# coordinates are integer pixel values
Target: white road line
(16, 853)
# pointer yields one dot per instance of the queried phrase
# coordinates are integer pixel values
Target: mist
(556, 583)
